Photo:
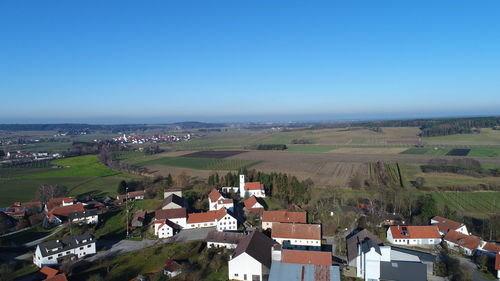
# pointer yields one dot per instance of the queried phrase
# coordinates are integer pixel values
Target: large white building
(165, 228)
(413, 235)
(251, 259)
(297, 235)
(248, 189)
(74, 246)
(375, 262)
(220, 219)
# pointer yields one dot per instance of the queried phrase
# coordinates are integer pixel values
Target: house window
(67, 252)
(49, 258)
(244, 277)
(81, 248)
(89, 246)
(236, 275)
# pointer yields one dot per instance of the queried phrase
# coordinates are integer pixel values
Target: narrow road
(38, 241)
(476, 275)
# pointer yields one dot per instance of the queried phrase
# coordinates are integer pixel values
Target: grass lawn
(487, 136)
(485, 152)
(81, 166)
(472, 203)
(426, 151)
(201, 163)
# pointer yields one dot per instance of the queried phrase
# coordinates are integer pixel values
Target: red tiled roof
(306, 257)
(253, 185)
(497, 262)
(209, 216)
(58, 277)
(55, 202)
(284, 216)
(250, 202)
(214, 195)
(463, 240)
(225, 201)
(445, 224)
(66, 210)
(171, 213)
(415, 231)
(167, 222)
(296, 231)
(48, 271)
(131, 195)
(490, 247)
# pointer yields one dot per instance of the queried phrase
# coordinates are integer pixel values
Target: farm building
(138, 219)
(134, 195)
(229, 240)
(172, 202)
(169, 192)
(297, 235)
(489, 248)
(462, 242)
(220, 219)
(165, 228)
(444, 225)
(413, 235)
(253, 205)
(58, 202)
(177, 216)
(52, 252)
(284, 216)
(216, 201)
(84, 217)
(354, 240)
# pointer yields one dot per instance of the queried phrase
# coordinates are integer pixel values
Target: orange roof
(55, 202)
(209, 216)
(414, 231)
(66, 210)
(284, 216)
(306, 257)
(497, 262)
(58, 277)
(214, 195)
(48, 271)
(490, 247)
(131, 195)
(296, 231)
(463, 240)
(253, 185)
(250, 202)
(225, 201)
(445, 224)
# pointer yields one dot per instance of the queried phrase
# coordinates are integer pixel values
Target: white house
(375, 262)
(252, 205)
(413, 235)
(220, 219)
(165, 228)
(444, 225)
(84, 217)
(462, 242)
(228, 240)
(354, 239)
(251, 188)
(489, 248)
(297, 235)
(177, 216)
(216, 201)
(251, 259)
(172, 202)
(284, 216)
(52, 252)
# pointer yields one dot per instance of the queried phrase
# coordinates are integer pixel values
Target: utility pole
(126, 207)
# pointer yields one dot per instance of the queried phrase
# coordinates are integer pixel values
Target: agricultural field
(218, 154)
(201, 163)
(310, 148)
(485, 137)
(81, 166)
(438, 151)
(477, 204)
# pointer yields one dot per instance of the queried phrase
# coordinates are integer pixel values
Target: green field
(426, 151)
(201, 163)
(486, 136)
(484, 152)
(310, 148)
(476, 204)
(81, 166)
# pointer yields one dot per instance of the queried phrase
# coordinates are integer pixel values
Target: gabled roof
(296, 231)
(306, 257)
(65, 211)
(53, 247)
(497, 262)
(214, 195)
(256, 245)
(55, 202)
(408, 271)
(209, 216)
(170, 214)
(253, 185)
(281, 271)
(168, 223)
(284, 216)
(462, 240)
(224, 237)
(131, 195)
(414, 231)
(139, 216)
(58, 277)
(490, 247)
(445, 224)
(355, 239)
(172, 198)
(250, 202)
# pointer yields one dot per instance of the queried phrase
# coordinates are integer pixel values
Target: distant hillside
(111, 128)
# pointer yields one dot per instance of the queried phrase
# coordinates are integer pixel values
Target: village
(281, 246)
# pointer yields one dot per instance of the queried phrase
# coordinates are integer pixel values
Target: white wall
(87, 220)
(171, 205)
(220, 245)
(164, 232)
(299, 242)
(245, 264)
(79, 251)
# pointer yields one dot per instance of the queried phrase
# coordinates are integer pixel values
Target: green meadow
(201, 163)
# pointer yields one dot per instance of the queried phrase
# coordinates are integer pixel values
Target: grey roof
(224, 237)
(356, 238)
(367, 244)
(65, 243)
(172, 198)
(258, 246)
(425, 257)
(403, 271)
(281, 271)
(83, 214)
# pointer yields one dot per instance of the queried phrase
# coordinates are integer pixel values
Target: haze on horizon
(228, 61)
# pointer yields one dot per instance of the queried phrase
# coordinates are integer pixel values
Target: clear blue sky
(213, 60)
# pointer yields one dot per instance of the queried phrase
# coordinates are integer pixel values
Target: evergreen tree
(122, 187)
(170, 181)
